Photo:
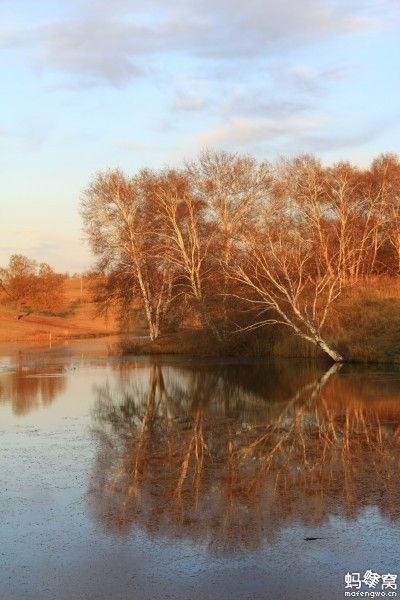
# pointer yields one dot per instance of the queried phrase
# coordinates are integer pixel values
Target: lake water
(141, 478)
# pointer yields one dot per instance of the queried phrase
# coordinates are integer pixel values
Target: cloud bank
(100, 42)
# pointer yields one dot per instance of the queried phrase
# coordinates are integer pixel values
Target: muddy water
(177, 478)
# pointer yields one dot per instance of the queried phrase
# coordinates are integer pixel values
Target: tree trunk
(208, 322)
(333, 354)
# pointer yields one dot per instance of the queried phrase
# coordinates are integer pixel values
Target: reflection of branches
(233, 473)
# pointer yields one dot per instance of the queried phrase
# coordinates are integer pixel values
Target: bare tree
(385, 176)
(186, 239)
(232, 188)
(285, 282)
(288, 271)
(119, 225)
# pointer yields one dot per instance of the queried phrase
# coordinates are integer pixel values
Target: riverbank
(198, 342)
(369, 333)
(364, 327)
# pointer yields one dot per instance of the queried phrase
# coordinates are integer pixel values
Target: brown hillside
(77, 320)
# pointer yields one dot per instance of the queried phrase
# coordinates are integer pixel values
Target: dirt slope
(80, 319)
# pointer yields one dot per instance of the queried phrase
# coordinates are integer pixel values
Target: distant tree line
(32, 285)
(241, 244)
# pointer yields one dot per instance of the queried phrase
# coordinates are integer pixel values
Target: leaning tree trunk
(315, 338)
(333, 354)
(311, 334)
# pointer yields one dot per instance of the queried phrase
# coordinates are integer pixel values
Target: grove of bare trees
(32, 285)
(237, 244)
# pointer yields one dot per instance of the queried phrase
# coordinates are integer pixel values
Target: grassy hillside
(364, 326)
(76, 319)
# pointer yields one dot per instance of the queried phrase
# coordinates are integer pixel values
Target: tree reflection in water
(220, 457)
(29, 388)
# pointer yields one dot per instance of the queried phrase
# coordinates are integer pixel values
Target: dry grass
(77, 319)
(366, 324)
(194, 342)
(365, 327)
(197, 342)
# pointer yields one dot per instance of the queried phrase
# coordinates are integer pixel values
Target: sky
(88, 85)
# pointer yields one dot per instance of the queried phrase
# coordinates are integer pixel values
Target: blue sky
(91, 84)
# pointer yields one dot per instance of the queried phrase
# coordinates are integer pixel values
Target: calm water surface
(188, 479)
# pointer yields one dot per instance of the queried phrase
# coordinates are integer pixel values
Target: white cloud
(240, 132)
(112, 43)
(90, 49)
(302, 79)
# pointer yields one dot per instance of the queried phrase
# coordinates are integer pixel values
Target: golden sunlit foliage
(32, 285)
(236, 244)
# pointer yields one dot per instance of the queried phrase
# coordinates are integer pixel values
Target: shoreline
(189, 344)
